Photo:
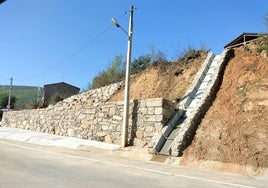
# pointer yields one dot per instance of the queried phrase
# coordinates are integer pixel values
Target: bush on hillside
(114, 73)
(140, 64)
(191, 53)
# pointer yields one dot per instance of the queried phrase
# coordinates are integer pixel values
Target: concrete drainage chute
(193, 105)
(171, 126)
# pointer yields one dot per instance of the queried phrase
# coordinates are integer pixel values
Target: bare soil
(163, 79)
(235, 128)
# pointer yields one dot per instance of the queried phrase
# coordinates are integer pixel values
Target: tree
(4, 100)
(114, 73)
(140, 64)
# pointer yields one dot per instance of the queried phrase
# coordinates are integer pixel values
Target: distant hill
(24, 94)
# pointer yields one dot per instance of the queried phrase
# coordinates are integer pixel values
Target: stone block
(27, 127)
(148, 134)
(101, 134)
(139, 134)
(116, 135)
(112, 110)
(71, 132)
(105, 127)
(142, 110)
(105, 109)
(158, 126)
(119, 118)
(13, 125)
(158, 110)
(113, 127)
(57, 130)
(154, 102)
(84, 123)
(142, 104)
(153, 118)
(78, 107)
(149, 129)
(118, 142)
(151, 110)
(108, 139)
(90, 111)
(81, 116)
(139, 143)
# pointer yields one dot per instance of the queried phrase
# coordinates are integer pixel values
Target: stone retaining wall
(90, 116)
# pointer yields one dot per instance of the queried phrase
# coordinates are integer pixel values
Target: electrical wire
(78, 51)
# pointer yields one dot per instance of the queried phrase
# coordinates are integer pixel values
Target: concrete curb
(45, 139)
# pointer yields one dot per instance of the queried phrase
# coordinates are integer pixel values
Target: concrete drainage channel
(180, 129)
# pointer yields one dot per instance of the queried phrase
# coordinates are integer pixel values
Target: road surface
(24, 165)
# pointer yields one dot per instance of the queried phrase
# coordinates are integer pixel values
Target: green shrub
(114, 73)
(190, 54)
(140, 64)
(4, 100)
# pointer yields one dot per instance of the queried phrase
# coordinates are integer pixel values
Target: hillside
(234, 132)
(235, 128)
(24, 94)
(163, 79)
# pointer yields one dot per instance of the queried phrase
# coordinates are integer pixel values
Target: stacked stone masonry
(90, 116)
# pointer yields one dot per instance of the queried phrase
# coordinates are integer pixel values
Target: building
(60, 90)
(243, 39)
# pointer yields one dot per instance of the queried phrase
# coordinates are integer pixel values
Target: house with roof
(59, 90)
(243, 39)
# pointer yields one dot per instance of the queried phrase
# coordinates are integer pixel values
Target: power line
(79, 50)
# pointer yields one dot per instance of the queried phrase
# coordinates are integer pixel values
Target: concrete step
(203, 86)
(207, 78)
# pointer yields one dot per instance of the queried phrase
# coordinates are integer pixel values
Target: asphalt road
(31, 166)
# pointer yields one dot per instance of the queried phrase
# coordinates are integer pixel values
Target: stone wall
(90, 116)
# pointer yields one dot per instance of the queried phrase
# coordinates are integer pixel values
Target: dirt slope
(235, 129)
(234, 132)
(166, 80)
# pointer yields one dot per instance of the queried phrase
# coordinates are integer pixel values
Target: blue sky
(51, 41)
